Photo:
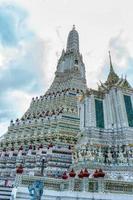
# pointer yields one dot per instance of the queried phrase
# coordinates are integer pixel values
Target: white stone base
(23, 194)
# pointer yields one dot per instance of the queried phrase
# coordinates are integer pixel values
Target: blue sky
(21, 58)
(33, 33)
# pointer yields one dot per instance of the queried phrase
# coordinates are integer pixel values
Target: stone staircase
(5, 193)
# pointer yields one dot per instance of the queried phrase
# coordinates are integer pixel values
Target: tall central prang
(59, 101)
(70, 73)
(52, 119)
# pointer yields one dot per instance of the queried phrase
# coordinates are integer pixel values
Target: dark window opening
(129, 109)
(99, 113)
(76, 62)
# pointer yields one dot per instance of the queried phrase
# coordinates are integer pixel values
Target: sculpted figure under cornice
(130, 159)
(89, 154)
(19, 153)
(100, 156)
(109, 159)
(80, 156)
(121, 158)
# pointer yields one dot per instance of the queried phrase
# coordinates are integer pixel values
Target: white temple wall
(105, 113)
(89, 114)
(115, 116)
(82, 116)
(93, 112)
(117, 122)
(123, 114)
(108, 111)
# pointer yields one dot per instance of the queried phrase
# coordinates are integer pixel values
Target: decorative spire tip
(73, 26)
(111, 66)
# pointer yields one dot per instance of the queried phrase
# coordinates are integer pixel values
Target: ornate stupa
(78, 141)
(52, 119)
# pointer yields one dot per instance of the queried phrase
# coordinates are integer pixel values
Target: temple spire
(73, 40)
(112, 77)
(71, 60)
(111, 66)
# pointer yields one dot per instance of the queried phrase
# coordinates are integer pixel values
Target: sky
(33, 34)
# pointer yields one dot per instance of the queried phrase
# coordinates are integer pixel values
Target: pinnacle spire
(111, 66)
(73, 40)
(112, 77)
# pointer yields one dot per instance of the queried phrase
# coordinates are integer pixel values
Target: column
(85, 184)
(100, 185)
(123, 114)
(18, 180)
(71, 184)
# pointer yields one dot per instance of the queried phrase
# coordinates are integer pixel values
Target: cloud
(122, 60)
(23, 72)
(122, 57)
(58, 32)
(22, 100)
(3, 127)
(12, 25)
(21, 63)
(119, 48)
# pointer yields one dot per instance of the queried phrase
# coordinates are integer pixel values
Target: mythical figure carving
(109, 159)
(36, 190)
